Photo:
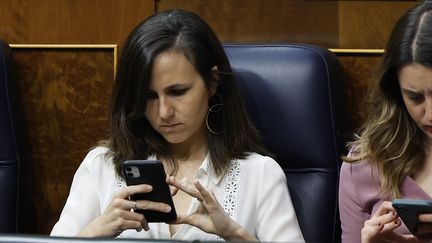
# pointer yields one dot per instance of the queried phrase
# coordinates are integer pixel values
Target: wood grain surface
(65, 95)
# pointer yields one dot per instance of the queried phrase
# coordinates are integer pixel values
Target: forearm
(89, 232)
(237, 233)
(98, 228)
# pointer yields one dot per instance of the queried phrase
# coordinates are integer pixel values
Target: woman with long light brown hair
(392, 156)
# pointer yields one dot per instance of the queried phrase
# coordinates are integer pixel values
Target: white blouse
(253, 192)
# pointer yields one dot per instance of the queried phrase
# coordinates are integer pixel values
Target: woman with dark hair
(175, 99)
(392, 157)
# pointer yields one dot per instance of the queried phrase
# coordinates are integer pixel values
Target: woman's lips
(428, 129)
(170, 127)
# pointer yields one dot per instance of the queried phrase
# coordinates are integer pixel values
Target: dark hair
(132, 136)
(389, 137)
(409, 42)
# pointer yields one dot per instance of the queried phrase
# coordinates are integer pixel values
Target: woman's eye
(415, 98)
(151, 96)
(178, 92)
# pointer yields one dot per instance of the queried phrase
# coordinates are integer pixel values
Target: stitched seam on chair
(331, 104)
(8, 102)
(312, 170)
(6, 162)
(4, 65)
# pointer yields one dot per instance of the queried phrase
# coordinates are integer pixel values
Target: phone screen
(150, 172)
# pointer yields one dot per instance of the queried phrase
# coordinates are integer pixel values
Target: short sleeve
(277, 221)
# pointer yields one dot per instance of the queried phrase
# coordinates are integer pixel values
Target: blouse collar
(206, 169)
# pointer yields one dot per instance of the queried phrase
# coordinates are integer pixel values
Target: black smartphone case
(409, 210)
(151, 172)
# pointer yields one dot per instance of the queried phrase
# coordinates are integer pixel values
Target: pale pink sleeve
(352, 214)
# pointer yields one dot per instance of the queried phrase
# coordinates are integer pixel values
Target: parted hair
(131, 135)
(390, 138)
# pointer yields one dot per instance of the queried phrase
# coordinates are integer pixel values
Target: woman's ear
(215, 81)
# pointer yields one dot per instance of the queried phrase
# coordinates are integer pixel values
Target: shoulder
(362, 171)
(255, 162)
(362, 179)
(97, 152)
(256, 159)
(97, 158)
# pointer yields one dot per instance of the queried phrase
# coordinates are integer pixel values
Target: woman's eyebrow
(410, 91)
(175, 86)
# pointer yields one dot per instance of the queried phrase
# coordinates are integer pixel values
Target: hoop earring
(218, 106)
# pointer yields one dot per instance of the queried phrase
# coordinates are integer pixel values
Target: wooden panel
(367, 24)
(71, 21)
(313, 22)
(331, 24)
(359, 71)
(65, 94)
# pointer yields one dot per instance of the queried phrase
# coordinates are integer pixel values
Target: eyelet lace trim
(120, 184)
(231, 190)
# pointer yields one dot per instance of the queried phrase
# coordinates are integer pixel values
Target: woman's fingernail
(167, 209)
(396, 221)
(146, 227)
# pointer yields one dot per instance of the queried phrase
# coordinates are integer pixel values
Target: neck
(428, 156)
(190, 154)
(193, 150)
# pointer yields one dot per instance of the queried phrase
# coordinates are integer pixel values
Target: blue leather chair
(9, 148)
(294, 95)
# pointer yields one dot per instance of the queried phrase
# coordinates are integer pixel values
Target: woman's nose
(428, 109)
(165, 108)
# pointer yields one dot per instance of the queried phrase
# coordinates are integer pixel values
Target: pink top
(359, 198)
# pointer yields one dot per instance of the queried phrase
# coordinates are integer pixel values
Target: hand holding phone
(150, 172)
(409, 211)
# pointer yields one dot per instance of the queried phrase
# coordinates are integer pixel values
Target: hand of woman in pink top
(380, 227)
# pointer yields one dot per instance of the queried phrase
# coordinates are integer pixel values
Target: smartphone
(150, 172)
(409, 210)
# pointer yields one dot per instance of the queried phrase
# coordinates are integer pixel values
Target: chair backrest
(294, 94)
(9, 155)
